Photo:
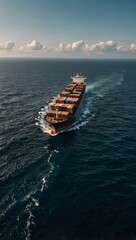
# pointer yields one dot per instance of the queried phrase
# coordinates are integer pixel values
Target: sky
(68, 28)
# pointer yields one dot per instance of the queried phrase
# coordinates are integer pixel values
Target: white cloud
(8, 45)
(127, 49)
(133, 47)
(111, 47)
(60, 47)
(108, 46)
(71, 47)
(75, 46)
(122, 48)
(34, 45)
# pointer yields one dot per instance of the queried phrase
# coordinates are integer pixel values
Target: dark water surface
(81, 184)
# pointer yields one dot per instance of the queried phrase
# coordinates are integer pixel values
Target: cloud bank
(71, 47)
(133, 47)
(33, 46)
(108, 46)
(99, 48)
(127, 49)
(85, 49)
(8, 45)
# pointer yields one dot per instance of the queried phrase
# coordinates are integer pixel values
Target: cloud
(103, 47)
(127, 49)
(34, 45)
(60, 47)
(122, 48)
(108, 46)
(71, 47)
(133, 47)
(8, 45)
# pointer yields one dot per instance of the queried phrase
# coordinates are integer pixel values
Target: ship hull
(66, 109)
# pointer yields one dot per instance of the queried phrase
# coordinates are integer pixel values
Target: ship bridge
(78, 78)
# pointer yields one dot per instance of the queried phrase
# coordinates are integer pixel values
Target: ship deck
(66, 104)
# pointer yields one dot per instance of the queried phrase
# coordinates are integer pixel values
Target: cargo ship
(65, 110)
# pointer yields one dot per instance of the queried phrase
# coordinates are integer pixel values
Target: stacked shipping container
(67, 103)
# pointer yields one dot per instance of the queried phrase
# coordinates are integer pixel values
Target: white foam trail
(46, 147)
(98, 89)
(40, 120)
(56, 151)
(80, 123)
(36, 202)
(105, 84)
(29, 222)
(45, 178)
(51, 165)
(43, 184)
(28, 195)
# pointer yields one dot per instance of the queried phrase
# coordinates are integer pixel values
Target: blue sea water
(80, 184)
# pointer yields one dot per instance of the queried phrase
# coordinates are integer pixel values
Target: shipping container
(72, 100)
(79, 87)
(62, 107)
(51, 113)
(79, 90)
(54, 106)
(65, 94)
(70, 89)
(64, 114)
(72, 85)
(71, 108)
(76, 92)
(74, 95)
(60, 100)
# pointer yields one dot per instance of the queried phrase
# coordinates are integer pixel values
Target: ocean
(80, 184)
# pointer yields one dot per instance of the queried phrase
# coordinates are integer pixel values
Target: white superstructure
(78, 78)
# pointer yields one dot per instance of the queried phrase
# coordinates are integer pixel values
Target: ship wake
(40, 120)
(94, 91)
